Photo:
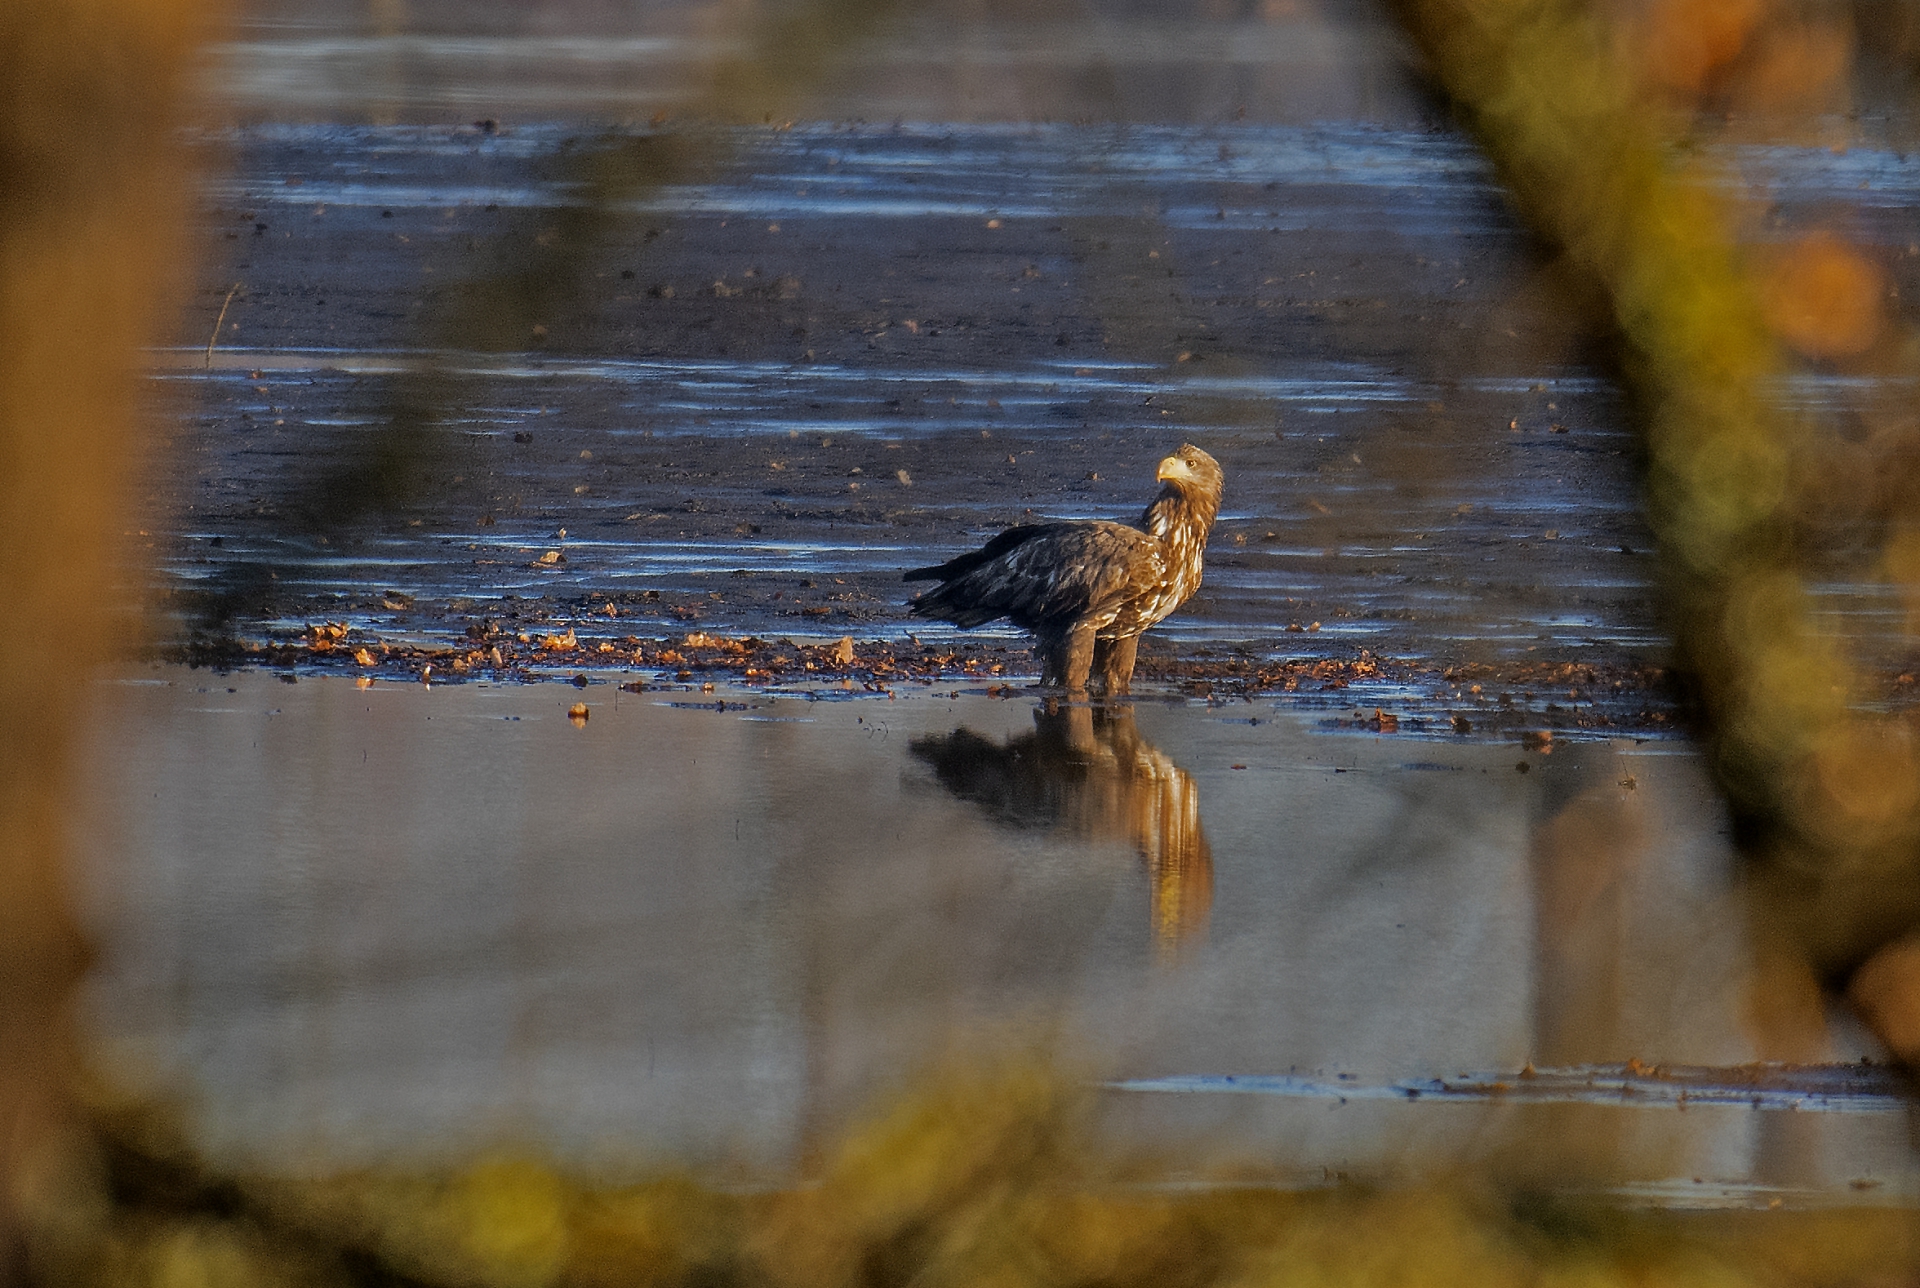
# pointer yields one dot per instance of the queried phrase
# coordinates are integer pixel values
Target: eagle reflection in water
(1087, 769)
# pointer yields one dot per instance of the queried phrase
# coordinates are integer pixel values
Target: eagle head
(1190, 497)
(1191, 469)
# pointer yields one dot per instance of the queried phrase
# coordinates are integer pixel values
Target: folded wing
(1043, 577)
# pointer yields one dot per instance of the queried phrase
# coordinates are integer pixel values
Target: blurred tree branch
(91, 203)
(1827, 795)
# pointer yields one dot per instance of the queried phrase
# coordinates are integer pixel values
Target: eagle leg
(1114, 660)
(1067, 661)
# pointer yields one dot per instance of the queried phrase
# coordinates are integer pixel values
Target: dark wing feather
(1042, 577)
(961, 565)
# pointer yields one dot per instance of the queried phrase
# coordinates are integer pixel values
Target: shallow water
(418, 60)
(847, 350)
(399, 923)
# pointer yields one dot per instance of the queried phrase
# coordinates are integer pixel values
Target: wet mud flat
(1527, 701)
(848, 350)
(403, 921)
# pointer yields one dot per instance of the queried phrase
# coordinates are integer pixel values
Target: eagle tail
(956, 602)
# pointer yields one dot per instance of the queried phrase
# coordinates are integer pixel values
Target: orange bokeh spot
(1685, 42)
(1797, 67)
(1823, 298)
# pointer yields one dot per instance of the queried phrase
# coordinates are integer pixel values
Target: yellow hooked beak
(1175, 468)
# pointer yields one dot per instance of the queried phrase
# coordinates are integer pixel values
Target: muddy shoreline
(850, 350)
(1361, 691)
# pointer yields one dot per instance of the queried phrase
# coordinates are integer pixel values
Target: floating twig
(215, 337)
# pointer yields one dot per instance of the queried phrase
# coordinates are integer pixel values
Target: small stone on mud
(578, 682)
(577, 713)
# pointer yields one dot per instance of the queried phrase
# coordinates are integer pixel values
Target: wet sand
(851, 350)
(405, 921)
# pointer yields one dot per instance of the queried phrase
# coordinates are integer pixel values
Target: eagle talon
(1086, 588)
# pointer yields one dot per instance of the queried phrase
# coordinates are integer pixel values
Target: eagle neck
(1180, 516)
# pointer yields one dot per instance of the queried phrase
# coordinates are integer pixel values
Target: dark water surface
(401, 922)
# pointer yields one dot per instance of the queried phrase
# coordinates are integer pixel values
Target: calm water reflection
(354, 924)
(1086, 769)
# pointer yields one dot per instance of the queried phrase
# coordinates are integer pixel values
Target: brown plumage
(1086, 588)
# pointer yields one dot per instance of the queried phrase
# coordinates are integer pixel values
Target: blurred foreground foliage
(985, 1176)
(992, 1178)
(91, 207)
(1585, 119)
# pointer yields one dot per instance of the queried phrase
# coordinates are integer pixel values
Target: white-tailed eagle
(1086, 588)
